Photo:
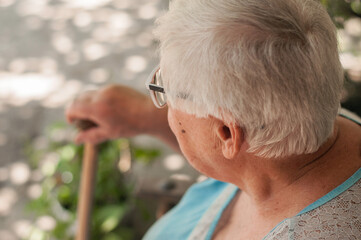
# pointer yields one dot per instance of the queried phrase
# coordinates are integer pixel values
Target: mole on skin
(180, 124)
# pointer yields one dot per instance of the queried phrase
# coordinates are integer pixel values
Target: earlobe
(231, 137)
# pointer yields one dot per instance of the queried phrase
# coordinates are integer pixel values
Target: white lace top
(331, 217)
(335, 216)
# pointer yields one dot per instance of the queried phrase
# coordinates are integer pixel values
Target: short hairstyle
(272, 64)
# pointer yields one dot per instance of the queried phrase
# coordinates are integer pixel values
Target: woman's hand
(117, 111)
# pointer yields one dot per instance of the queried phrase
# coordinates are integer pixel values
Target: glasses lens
(160, 97)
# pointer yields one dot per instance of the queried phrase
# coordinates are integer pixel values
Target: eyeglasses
(154, 84)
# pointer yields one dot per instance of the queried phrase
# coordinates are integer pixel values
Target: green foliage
(145, 155)
(341, 10)
(60, 162)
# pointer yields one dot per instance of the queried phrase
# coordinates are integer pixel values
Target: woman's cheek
(171, 121)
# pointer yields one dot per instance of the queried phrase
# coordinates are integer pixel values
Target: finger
(79, 111)
(81, 107)
(84, 124)
(93, 135)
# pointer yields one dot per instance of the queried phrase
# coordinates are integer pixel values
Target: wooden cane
(87, 184)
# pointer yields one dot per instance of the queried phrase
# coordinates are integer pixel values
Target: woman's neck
(264, 180)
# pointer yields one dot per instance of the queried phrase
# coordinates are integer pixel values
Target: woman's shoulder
(179, 222)
(339, 218)
(336, 215)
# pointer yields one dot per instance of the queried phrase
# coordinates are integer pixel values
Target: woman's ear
(231, 138)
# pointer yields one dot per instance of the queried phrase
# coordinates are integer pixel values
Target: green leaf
(356, 6)
(67, 152)
(109, 216)
(145, 155)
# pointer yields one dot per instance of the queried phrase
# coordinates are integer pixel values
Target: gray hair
(272, 65)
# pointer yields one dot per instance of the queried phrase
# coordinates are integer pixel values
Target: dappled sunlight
(350, 48)
(59, 212)
(68, 91)
(136, 63)
(85, 4)
(125, 160)
(48, 66)
(93, 50)
(49, 164)
(36, 234)
(99, 75)
(19, 173)
(30, 7)
(46, 223)
(22, 228)
(18, 89)
(105, 25)
(174, 162)
(18, 65)
(62, 43)
(82, 19)
(102, 34)
(355, 75)
(202, 178)
(6, 3)
(61, 135)
(352, 64)
(181, 177)
(147, 11)
(67, 177)
(353, 27)
(34, 191)
(8, 197)
(42, 65)
(119, 22)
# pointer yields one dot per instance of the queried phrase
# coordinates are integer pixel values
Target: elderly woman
(251, 93)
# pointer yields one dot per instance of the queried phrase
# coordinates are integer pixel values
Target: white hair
(272, 64)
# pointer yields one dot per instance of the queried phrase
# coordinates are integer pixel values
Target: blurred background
(50, 51)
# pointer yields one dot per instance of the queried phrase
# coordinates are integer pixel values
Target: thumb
(94, 135)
